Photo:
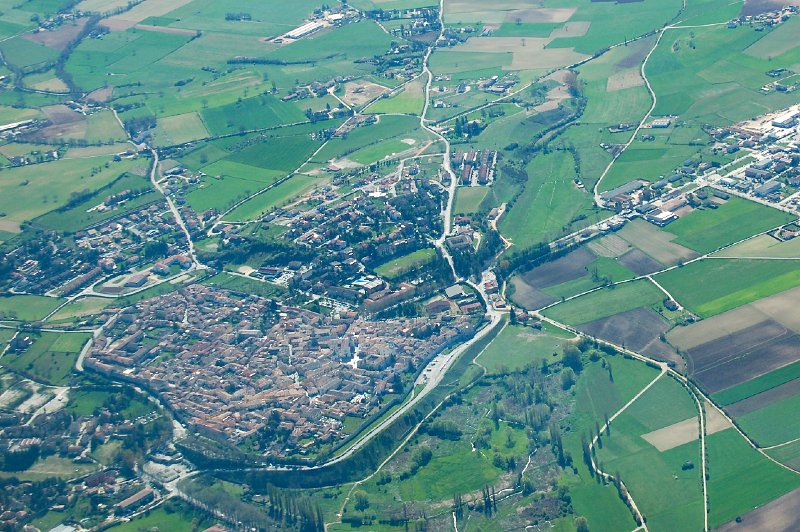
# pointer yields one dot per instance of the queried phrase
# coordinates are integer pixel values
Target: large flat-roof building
(786, 120)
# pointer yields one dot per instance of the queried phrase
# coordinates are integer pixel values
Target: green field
(259, 112)
(170, 516)
(670, 497)
(389, 128)
(238, 283)
(83, 402)
(468, 199)
(760, 384)
(740, 478)
(737, 219)
(550, 205)
(82, 307)
(773, 424)
(408, 100)
(48, 186)
(712, 286)
(27, 307)
(50, 359)
(399, 266)
(606, 302)
(52, 466)
(273, 198)
(518, 347)
(787, 454)
(79, 216)
(599, 395)
(703, 75)
(178, 129)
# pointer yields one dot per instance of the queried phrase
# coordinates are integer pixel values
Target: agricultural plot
(615, 95)
(775, 422)
(779, 514)
(50, 359)
(740, 479)
(48, 186)
(655, 243)
(527, 53)
(578, 271)
(551, 204)
(259, 112)
(375, 140)
(713, 286)
(518, 347)
(742, 344)
(607, 302)
(24, 53)
(602, 389)
(179, 129)
(274, 197)
(640, 329)
(81, 308)
(667, 491)
(788, 454)
(710, 229)
(80, 215)
(766, 246)
(699, 73)
(408, 100)
(658, 158)
(758, 385)
(27, 307)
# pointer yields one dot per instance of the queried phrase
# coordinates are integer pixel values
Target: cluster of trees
(466, 128)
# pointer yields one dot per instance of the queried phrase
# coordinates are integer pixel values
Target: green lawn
(468, 199)
(461, 471)
(712, 286)
(170, 516)
(708, 230)
(27, 307)
(741, 479)
(242, 284)
(606, 302)
(399, 266)
(518, 347)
